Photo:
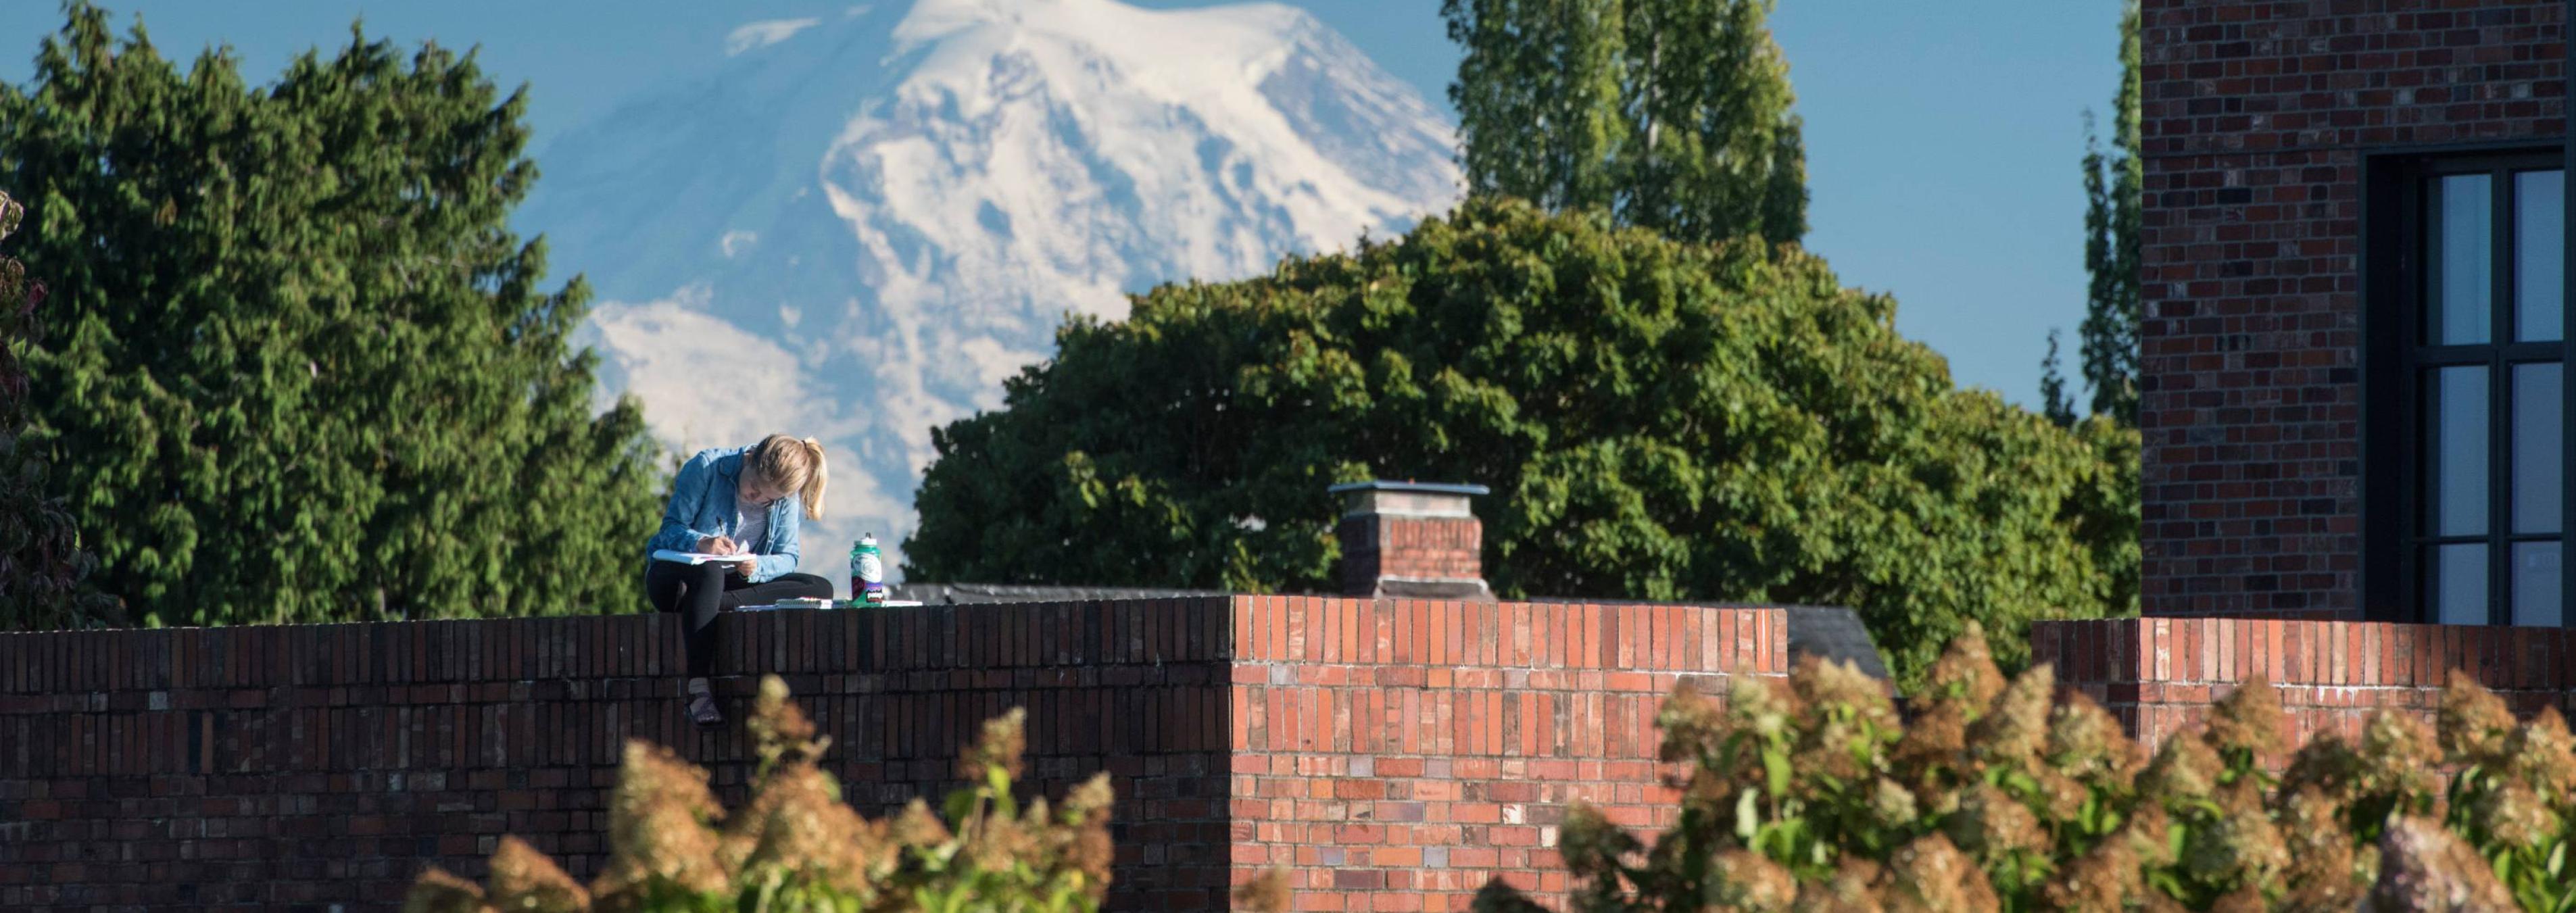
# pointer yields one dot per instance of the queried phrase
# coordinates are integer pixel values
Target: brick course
(1395, 753)
(2159, 676)
(2255, 115)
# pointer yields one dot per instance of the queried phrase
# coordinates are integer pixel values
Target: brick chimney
(1414, 540)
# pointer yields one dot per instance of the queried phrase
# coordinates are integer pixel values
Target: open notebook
(664, 554)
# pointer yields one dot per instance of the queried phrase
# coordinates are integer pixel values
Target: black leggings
(699, 591)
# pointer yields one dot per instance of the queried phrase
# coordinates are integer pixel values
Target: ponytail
(813, 492)
(796, 463)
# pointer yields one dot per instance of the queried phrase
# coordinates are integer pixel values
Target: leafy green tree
(301, 370)
(41, 564)
(2114, 193)
(1669, 114)
(1658, 420)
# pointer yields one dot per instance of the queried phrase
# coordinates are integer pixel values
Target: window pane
(2539, 255)
(2456, 583)
(2535, 584)
(2539, 447)
(2455, 450)
(2456, 305)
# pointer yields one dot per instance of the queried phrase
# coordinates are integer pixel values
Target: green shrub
(1813, 793)
(797, 847)
(1657, 420)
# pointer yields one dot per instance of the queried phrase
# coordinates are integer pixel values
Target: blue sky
(1942, 138)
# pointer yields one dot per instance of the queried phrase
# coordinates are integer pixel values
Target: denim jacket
(702, 505)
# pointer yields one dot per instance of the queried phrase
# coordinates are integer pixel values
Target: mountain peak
(882, 215)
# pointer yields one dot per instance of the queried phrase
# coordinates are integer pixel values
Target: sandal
(702, 705)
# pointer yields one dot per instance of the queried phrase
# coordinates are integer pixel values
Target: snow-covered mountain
(860, 224)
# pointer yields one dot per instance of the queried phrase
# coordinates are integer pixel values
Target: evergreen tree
(2114, 192)
(1672, 115)
(2054, 402)
(41, 565)
(301, 369)
(1658, 420)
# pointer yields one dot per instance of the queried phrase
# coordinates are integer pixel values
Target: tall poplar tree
(1672, 115)
(2114, 193)
(299, 368)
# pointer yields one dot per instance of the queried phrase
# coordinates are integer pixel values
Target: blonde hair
(797, 464)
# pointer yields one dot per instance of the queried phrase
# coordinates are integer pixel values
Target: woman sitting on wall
(734, 501)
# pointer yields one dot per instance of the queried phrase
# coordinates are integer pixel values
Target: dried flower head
(1000, 745)
(1932, 750)
(438, 892)
(918, 828)
(1931, 876)
(2087, 744)
(525, 881)
(1991, 825)
(2515, 814)
(2105, 878)
(1089, 803)
(2148, 835)
(2543, 754)
(2015, 727)
(2240, 845)
(1591, 844)
(1265, 893)
(1965, 675)
(2399, 757)
(2247, 725)
(1765, 707)
(780, 732)
(1892, 806)
(1828, 684)
(1852, 888)
(798, 825)
(2423, 866)
(2326, 765)
(2474, 722)
(1746, 880)
(657, 821)
(2324, 871)
(1692, 724)
(997, 843)
(2184, 769)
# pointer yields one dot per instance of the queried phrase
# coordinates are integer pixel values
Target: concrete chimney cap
(1414, 487)
(1406, 499)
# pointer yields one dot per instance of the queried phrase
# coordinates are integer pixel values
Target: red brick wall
(1400, 754)
(2160, 675)
(2254, 117)
(315, 765)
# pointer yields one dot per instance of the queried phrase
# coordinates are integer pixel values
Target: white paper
(665, 554)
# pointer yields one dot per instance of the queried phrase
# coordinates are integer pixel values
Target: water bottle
(867, 572)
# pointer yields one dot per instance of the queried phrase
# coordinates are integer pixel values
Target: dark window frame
(2395, 225)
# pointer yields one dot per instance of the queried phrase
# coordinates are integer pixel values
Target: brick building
(2352, 398)
(2353, 394)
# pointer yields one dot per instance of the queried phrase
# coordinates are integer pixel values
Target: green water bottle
(867, 572)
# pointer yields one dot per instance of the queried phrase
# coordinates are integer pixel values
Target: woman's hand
(718, 545)
(746, 566)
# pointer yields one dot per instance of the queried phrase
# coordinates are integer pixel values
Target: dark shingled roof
(1833, 633)
(1826, 632)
